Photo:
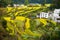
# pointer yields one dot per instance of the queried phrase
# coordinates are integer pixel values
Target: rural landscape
(29, 19)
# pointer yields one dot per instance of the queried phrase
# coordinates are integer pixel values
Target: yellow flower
(43, 21)
(27, 24)
(18, 8)
(9, 9)
(53, 22)
(7, 18)
(10, 28)
(16, 13)
(20, 18)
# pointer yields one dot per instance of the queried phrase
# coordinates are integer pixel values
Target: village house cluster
(55, 15)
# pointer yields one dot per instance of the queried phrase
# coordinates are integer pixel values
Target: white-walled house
(56, 15)
(43, 15)
(16, 5)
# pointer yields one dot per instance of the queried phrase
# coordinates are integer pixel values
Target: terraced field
(22, 11)
(26, 27)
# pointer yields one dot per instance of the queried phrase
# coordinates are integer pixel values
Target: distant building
(56, 15)
(22, 5)
(16, 5)
(9, 5)
(43, 15)
(50, 15)
(34, 5)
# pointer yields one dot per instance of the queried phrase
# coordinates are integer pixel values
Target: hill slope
(33, 1)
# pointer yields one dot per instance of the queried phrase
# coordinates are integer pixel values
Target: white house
(43, 15)
(16, 5)
(56, 15)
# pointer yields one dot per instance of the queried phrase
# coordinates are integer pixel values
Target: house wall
(56, 15)
(43, 15)
(48, 15)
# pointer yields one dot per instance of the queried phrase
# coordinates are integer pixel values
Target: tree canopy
(4, 3)
(26, 2)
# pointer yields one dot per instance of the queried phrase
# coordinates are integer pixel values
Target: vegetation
(21, 23)
(26, 2)
(4, 3)
(55, 4)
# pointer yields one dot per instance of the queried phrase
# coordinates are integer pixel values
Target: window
(58, 18)
(45, 15)
(59, 14)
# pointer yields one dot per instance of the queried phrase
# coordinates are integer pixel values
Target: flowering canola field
(21, 24)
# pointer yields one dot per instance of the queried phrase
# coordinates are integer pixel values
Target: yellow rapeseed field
(7, 18)
(9, 9)
(21, 18)
(42, 21)
(27, 24)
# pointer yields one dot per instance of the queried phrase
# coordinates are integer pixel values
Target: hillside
(33, 1)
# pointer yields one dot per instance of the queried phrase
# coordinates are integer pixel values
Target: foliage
(26, 2)
(55, 4)
(30, 31)
(4, 3)
(24, 27)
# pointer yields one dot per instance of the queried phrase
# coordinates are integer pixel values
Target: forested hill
(33, 1)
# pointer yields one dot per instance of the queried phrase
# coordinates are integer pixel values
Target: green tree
(4, 3)
(55, 4)
(26, 2)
